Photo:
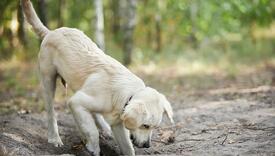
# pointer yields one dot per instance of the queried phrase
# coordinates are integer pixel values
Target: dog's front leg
(102, 124)
(85, 121)
(122, 137)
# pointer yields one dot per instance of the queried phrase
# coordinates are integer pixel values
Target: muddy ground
(223, 120)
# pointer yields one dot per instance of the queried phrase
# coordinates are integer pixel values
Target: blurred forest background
(166, 42)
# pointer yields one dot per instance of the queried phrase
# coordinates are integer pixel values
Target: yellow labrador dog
(103, 88)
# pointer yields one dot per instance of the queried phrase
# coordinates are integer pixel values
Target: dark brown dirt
(217, 122)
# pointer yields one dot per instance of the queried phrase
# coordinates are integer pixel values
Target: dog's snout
(146, 144)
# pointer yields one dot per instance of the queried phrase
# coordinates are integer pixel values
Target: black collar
(127, 103)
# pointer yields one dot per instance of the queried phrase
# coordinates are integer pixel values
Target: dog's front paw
(93, 150)
(57, 142)
(107, 134)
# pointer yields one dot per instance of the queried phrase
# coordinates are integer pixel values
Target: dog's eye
(145, 126)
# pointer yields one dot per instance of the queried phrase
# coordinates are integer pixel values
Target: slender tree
(99, 24)
(115, 17)
(147, 22)
(42, 11)
(61, 6)
(193, 17)
(21, 28)
(129, 10)
(158, 26)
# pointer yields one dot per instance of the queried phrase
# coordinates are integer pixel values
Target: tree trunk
(21, 29)
(6, 52)
(99, 24)
(116, 18)
(129, 24)
(147, 23)
(61, 6)
(158, 26)
(193, 14)
(42, 11)
(158, 33)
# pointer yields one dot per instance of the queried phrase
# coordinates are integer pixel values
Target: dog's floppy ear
(133, 114)
(128, 121)
(167, 107)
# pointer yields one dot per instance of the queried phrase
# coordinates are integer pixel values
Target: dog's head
(144, 113)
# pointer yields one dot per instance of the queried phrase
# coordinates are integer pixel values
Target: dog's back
(76, 56)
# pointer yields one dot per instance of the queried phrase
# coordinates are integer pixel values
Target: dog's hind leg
(48, 82)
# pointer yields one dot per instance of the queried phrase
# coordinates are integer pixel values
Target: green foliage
(183, 22)
(260, 11)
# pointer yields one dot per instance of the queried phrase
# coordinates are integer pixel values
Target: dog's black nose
(131, 137)
(146, 144)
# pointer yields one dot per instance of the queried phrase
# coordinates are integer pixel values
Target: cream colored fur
(102, 87)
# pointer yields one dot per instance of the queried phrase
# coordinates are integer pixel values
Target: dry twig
(224, 139)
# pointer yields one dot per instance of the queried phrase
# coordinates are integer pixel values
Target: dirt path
(213, 122)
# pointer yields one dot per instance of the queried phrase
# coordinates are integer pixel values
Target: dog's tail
(33, 19)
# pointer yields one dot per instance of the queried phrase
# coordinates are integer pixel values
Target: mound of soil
(26, 134)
